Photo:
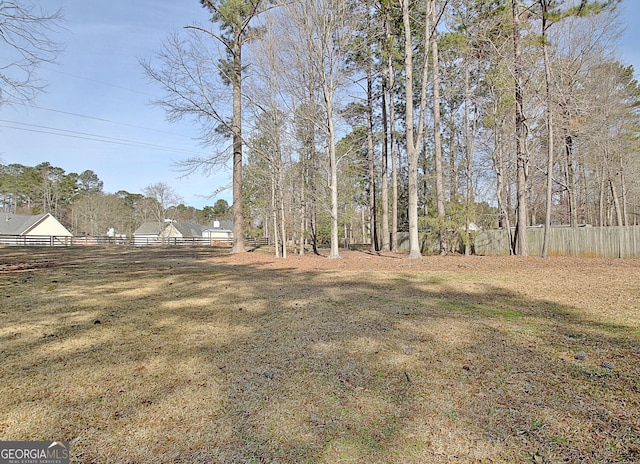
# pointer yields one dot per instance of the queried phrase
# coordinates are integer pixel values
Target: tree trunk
(498, 163)
(623, 187)
(392, 138)
(616, 202)
(333, 183)
(453, 175)
(412, 150)
(435, 75)
(274, 218)
(550, 140)
(384, 187)
(238, 213)
(373, 229)
(601, 208)
(283, 226)
(303, 208)
(571, 179)
(468, 147)
(522, 158)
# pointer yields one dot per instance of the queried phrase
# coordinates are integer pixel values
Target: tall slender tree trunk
(498, 164)
(616, 202)
(373, 229)
(392, 136)
(571, 179)
(469, 137)
(601, 206)
(522, 159)
(412, 149)
(238, 214)
(283, 224)
(274, 218)
(333, 182)
(384, 179)
(550, 129)
(437, 137)
(303, 208)
(613, 189)
(623, 188)
(394, 176)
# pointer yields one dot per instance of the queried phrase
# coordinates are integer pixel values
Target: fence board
(35, 240)
(604, 242)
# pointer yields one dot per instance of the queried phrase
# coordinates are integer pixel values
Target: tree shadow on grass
(168, 357)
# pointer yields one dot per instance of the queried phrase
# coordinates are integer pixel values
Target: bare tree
(160, 197)
(317, 35)
(413, 137)
(552, 12)
(25, 33)
(193, 72)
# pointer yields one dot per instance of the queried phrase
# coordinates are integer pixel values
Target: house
(219, 231)
(26, 229)
(179, 232)
(182, 229)
(148, 233)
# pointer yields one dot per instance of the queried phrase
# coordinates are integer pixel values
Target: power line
(92, 137)
(107, 120)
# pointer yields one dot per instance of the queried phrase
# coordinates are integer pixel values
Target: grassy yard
(189, 355)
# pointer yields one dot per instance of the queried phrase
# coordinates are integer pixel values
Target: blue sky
(99, 90)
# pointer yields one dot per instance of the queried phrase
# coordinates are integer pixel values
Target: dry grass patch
(194, 355)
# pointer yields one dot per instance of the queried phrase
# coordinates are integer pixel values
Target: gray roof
(149, 228)
(188, 229)
(19, 224)
(223, 224)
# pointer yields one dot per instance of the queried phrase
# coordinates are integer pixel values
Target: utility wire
(93, 137)
(107, 120)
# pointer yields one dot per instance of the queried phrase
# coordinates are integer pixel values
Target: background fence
(36, 240)
(603, 242)
(54, 240)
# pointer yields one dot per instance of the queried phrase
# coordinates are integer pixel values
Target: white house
(26, 229)
(219, 231)
(155, 233)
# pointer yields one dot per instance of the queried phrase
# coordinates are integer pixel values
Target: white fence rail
(35, 240)
(54, 240)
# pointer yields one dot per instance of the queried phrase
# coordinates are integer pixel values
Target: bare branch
(25, 31)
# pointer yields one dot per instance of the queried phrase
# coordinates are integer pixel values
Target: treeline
(359, 119)
(79, 202)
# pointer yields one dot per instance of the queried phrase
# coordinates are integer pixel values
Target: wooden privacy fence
(601, 242)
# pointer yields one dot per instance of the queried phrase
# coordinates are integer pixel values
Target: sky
(96, 113)
(98, 97)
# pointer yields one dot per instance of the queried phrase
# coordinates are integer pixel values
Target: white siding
(50, 226)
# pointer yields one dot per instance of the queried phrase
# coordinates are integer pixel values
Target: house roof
(149, 228)
(19, 224)
(224, 224)
(188, 229)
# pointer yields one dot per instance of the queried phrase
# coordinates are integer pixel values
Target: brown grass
(197, 356)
